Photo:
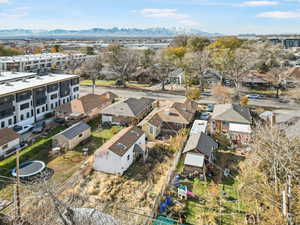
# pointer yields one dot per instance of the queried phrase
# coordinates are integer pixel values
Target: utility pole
(18, 203)
(289, 201)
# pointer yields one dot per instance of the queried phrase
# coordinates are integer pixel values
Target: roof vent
(121, 145)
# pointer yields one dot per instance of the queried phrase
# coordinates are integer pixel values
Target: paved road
(130, 93)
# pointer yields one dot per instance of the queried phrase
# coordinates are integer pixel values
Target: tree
(244, 101)
(90, 50)
(222, 94)
(180, 41)
(7, 51)
(37, 50)
(93, 67)
(230, 43)
(122, 61)
(198, 44)
(193, 93)
(147, 58)
(57, 48)
(278, 77)
(163, 67)
(235, 64)
(198, 63)
(263, 175)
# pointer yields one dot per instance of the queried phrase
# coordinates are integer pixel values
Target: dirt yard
(135, 191)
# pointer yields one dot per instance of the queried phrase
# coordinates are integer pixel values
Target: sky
(216, 16)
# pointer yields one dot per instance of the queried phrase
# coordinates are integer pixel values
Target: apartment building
(39, 62)
(26, 97)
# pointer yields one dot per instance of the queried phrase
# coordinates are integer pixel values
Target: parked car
(38, 127)
(22, 129)
(204, 116)
(255, 96)
(283, 100)
(210, 108)
(206, 93)
(59, 120)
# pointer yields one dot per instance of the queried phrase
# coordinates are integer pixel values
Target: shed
(72, 136)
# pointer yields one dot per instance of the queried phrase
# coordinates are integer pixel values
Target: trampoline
(30, 168)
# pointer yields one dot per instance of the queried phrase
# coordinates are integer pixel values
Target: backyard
(217, 199)
(64, 165)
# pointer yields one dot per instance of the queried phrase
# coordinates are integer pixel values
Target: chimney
(157, 103)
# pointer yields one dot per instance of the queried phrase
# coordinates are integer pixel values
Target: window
(43, 109)
(22, 117)
(28, 114)
(75, 89)
(9, 121)
(64, 101)
(2, 124)
(151, 130)
(128, 157)
(38, 111)
(54, 96)
(24, 106)
(52, 106)
(80, 135)
(4, 146)
(225, 123)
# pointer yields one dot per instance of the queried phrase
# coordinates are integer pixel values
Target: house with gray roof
(224, 114)
(71, 137)
(201, 143)
(117, 154)
(129, 111)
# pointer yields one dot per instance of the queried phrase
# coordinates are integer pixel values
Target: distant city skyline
(215, 16)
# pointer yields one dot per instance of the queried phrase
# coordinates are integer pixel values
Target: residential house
(201, 143)
(118, 154)
(169, 119)
(88, 106)
(224, 114)
(255, 79)
(129, 111)
(9, 142)
(71, 137)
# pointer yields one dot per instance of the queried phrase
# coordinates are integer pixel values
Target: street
(131, 93)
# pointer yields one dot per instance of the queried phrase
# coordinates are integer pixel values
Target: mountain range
(102, 32)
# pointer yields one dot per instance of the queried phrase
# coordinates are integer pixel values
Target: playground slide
(191, 194)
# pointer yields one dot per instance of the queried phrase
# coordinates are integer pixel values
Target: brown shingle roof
(7, 135)
(86, 103)
(122, 141)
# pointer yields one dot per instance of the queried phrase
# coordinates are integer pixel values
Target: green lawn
(98, 82)
(64, 165)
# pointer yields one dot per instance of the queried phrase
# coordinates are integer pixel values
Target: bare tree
(278, 77)
(123, 61)
(222, 94)
(162, 68)
(198, 63)
(92, 67)
(264, 173)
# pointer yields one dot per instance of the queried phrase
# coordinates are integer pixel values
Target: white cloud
(12, 16)
(161, 13)
(257, 3)
(190, 23)
(280, 14)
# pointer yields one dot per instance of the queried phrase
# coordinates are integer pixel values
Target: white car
(22, 129)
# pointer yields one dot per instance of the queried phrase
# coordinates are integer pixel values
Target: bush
(193, 93)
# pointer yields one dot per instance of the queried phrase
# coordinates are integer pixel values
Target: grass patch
(98, 82)
(36, 151)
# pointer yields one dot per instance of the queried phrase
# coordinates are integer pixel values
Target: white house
(9, 142)
(117, 154)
